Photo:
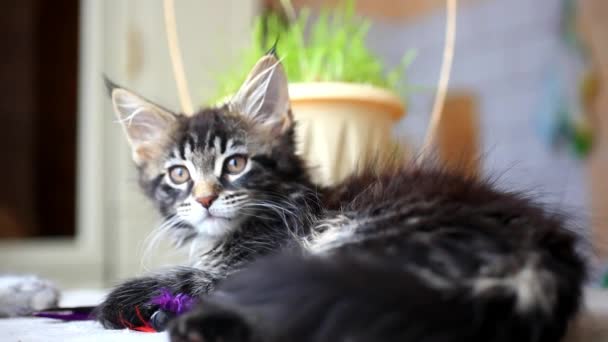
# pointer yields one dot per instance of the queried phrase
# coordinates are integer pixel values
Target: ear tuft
(110, 85)
(273, 50)
(264, 97)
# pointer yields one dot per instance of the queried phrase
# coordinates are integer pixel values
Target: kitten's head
(209, 172)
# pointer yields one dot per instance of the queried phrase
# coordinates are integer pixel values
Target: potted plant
(343, 99)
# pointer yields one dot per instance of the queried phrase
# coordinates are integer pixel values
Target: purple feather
(75, 316)
(82, 313)
(177, 304)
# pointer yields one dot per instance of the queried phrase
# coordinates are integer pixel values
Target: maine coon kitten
(403, 254)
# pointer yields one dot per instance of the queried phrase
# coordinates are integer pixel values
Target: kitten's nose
(206, 201)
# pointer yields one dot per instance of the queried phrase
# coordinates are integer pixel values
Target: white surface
(30, 330)
(592, 327)
(49, 330)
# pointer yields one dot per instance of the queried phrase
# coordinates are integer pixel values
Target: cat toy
(169, 306)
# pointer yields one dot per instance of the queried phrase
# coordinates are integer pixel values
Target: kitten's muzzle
(206, 201)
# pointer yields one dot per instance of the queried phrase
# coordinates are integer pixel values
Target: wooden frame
(75, 261)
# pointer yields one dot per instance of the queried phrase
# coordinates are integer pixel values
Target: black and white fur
(404, 253)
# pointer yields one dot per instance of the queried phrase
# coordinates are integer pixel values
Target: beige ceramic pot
(343, 125)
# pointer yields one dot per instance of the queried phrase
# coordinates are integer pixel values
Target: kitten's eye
(235, 164)
(179, 174)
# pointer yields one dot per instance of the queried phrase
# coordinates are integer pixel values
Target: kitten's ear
(147, 126)
(264, 96)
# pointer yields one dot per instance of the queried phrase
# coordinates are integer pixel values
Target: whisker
(153, 239)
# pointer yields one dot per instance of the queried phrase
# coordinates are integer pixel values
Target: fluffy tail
(347, 299)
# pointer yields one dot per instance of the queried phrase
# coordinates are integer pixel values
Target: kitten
(402, 254)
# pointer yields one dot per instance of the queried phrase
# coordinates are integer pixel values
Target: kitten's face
(216, 171)
(211, 171)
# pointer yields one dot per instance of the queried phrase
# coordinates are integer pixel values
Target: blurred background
(526, 103)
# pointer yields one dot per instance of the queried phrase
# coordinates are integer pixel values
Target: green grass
(331, 48)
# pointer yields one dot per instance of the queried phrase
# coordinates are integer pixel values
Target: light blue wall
(504, 52)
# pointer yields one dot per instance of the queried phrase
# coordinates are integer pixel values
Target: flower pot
(341, 126)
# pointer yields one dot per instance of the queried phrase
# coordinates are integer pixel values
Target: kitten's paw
(129, 305)
(210, 326)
